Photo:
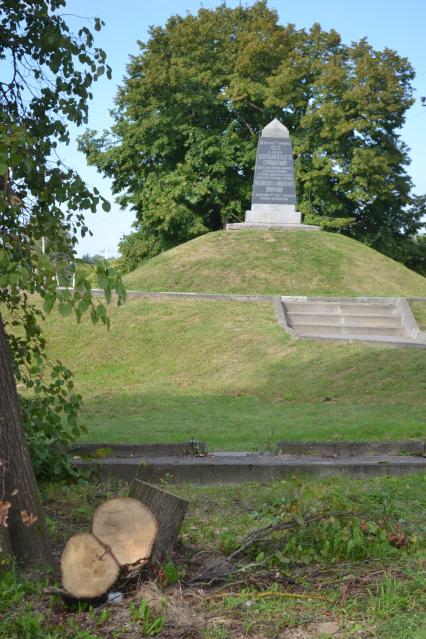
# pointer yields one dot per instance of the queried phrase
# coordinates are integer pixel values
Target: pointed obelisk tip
(275, 129)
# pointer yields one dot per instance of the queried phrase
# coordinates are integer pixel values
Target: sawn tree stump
(123, 535)
(169, 511)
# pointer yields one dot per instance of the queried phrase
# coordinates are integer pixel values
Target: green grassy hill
(227, 373)
(286, 263)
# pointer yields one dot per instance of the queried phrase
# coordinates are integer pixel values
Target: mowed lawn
(225, 372)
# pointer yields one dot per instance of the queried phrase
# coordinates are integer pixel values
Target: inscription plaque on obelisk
(274, 174)
(273, 202)
(274, 189)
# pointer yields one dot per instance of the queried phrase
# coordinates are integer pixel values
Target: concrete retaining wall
(139, 450)
(209, 470)
(352, 449)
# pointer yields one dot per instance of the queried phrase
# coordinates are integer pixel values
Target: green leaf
(65, 308)
(101, 310)
(48, 303)
(4, 259)
(82, 306)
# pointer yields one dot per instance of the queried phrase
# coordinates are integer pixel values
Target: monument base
(259, 226)
(273, 214)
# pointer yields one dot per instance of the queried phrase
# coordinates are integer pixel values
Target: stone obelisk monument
(274, 189)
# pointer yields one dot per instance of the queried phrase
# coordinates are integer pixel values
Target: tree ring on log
(88, 569)
(127, 527)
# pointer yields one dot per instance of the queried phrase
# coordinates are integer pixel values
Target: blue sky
(385, 23)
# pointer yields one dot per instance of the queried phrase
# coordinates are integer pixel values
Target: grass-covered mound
(227, 373)
(286, 263)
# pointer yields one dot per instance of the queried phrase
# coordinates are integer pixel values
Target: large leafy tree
(47, 73)
(188, 115)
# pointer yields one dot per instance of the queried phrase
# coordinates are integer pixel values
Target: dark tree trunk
(169, 512)
(5, 547)
(26, 526)
(216, 222)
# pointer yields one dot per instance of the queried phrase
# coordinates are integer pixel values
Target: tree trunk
(26, 526)
(216, 218)
(169, 511)
(5, 547)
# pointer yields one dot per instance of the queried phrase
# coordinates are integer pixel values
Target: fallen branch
(260, 533)
(208, 577)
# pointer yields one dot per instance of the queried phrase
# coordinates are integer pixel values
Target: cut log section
(88, 569)
(127, 527)
(169, 511)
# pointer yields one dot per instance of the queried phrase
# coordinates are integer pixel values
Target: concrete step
(316, 329)
(340, 308)
(323, 319)
(370, 320)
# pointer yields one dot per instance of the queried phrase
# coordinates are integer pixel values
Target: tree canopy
(181, 152)
(42, 203)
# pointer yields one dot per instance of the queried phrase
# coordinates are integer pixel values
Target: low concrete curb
(234, 468)
(215, 297)
(105, 450)
(416, 448)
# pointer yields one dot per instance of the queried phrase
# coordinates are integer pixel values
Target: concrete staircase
(377, 320)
